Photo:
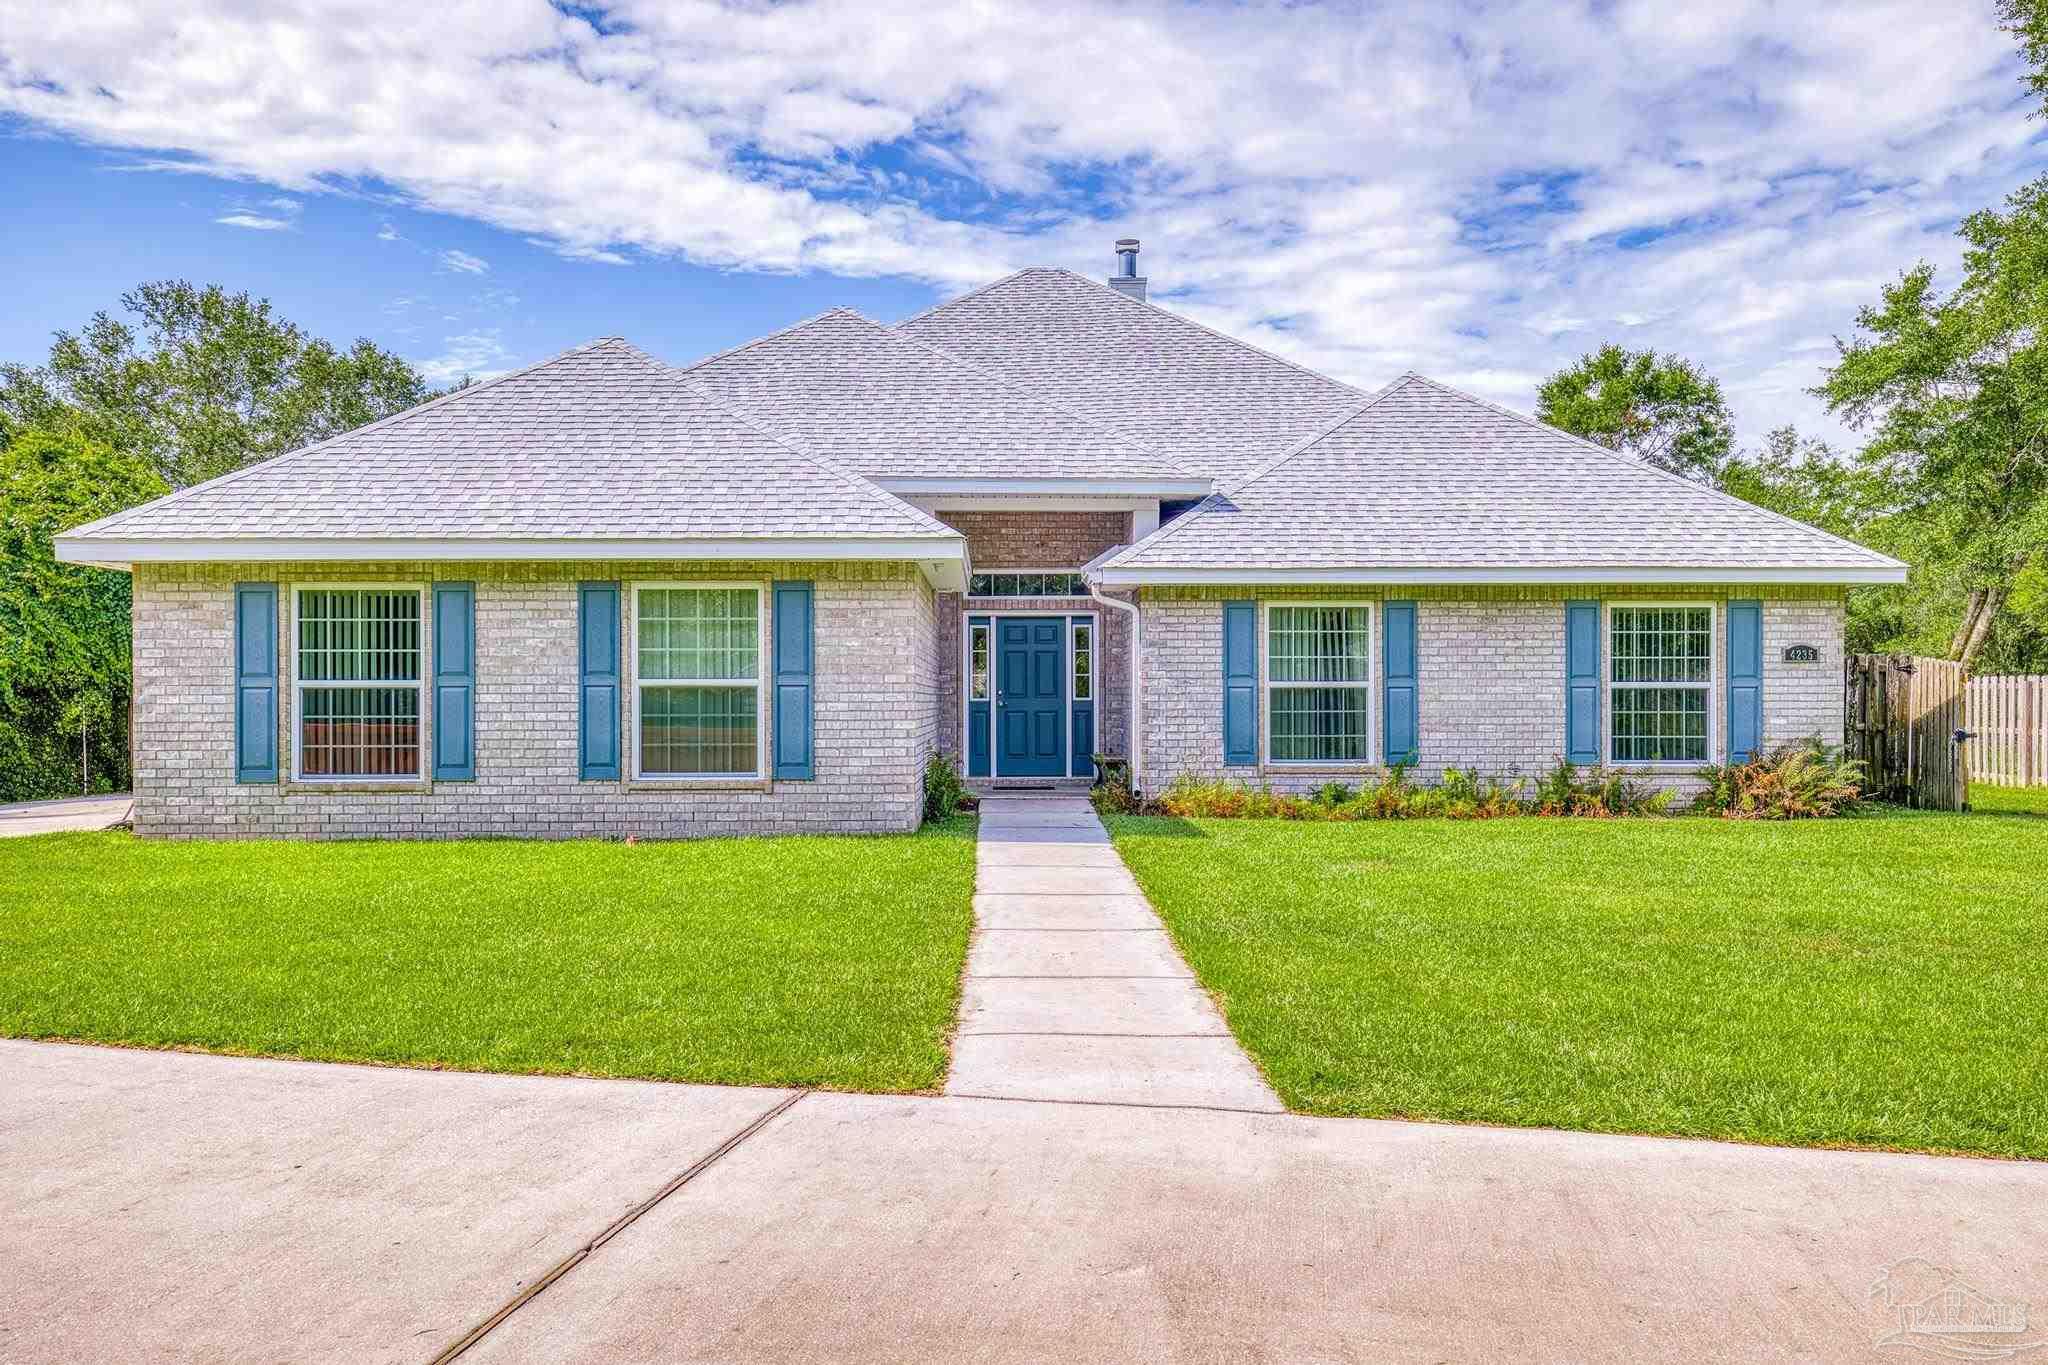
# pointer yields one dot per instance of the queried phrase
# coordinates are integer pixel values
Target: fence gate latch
(1961, 735)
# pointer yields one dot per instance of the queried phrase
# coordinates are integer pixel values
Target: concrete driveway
(71, 813)
(161, 1206)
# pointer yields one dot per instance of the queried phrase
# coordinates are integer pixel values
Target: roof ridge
(975, 292)
(697, 388)
(111, 520)
(1239, 342)
(730, 351)
(1337, 423)
(1009, 386)
(1224, 492)
(1645, 465)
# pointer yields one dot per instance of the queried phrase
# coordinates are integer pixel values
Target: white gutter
(1620, 574)
(1135, 727)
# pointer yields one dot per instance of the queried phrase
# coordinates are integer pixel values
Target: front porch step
(1026, 786)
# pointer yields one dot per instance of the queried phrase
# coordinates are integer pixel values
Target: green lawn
(1877, 981)
(2009, 800)
(793, 961)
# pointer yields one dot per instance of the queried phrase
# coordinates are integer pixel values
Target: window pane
(1662, 644)
(1014, 584)
(359, 732)
(1319, 724)
(979, 647)
(697, 730)
(1084, 661)
(699, 633)
(1660, 725)
(359, 635)
(1318, 644)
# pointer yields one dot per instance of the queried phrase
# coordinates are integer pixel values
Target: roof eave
(1616, 575)
(1099, 487)
(942, 558)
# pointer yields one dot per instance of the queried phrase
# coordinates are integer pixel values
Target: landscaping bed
(1879, 980)
(815, 961)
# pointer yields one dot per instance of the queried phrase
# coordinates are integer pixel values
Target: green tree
(1662, 409)
(1954, 393)
(200, 382)
(1808, 480)
(64, 662)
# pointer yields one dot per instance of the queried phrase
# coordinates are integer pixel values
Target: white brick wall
(1489, 681)
(1803, 700)
(1490, 674)
(876, 712)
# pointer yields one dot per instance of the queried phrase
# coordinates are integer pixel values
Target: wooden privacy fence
(1903, 714)
(2009, 722)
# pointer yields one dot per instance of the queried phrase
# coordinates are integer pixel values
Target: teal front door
(1031, 696)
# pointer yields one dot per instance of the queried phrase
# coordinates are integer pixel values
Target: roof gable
(1424, 477)
(1218, 405)
(600, 441)
(895, 407)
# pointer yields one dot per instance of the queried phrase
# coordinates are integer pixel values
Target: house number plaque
(1802, 654)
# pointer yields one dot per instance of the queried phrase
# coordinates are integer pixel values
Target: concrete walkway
(162, 1206)
(71, 813)
(1073, 989)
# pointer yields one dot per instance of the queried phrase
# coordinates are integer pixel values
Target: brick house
(1042, 521)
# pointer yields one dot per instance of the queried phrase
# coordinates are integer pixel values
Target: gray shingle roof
(601, 441)
(1423, 476)
(1216, 404)
(891, 406)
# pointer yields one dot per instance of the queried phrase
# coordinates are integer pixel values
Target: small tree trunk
(1980, 631)
(1972, 609)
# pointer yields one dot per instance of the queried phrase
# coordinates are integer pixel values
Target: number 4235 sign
(1802, 654)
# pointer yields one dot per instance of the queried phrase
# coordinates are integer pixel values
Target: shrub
(1803, 781)
(1190, 798)
(1596, 793)
(1112, 794)
(1462, 795)
(943, 792)
(1468, 796)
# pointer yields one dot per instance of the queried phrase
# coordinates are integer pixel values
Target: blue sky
(450, 294)
(1478, 189)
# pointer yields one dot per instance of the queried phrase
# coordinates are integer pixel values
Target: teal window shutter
(1582, 682)
(1745, 680)
(255, 682)
(794, 648)
(1240, 684)
(597, 709)
(454, 682)
(1402, 734)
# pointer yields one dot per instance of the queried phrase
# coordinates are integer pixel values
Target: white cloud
(464, 263)
(254, 222)
(1482, 190)
(268, 215)
(479, 355)
(388, 233)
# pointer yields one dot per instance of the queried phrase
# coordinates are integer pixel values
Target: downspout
(1137, 732)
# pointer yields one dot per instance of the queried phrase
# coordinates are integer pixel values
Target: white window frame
(988, 632)
(1371, 685)
(419, 685)
(1608, 687)
(1076, 572)
(1075, 623)
(762, 720)
(967, 698)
